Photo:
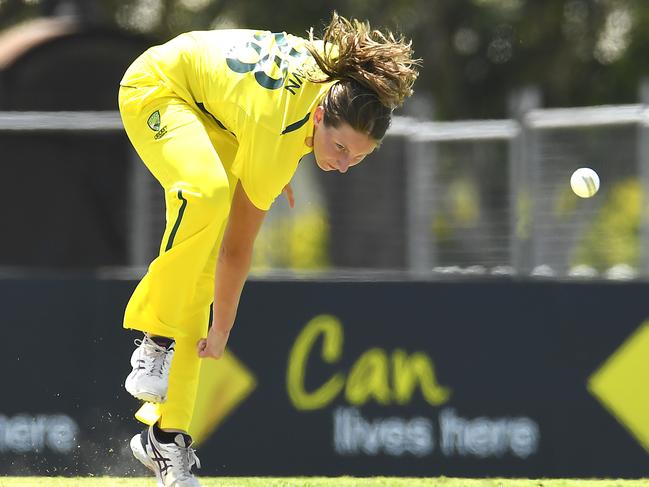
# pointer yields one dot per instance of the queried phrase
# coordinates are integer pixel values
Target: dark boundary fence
(493, 378)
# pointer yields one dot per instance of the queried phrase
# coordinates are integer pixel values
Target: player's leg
(177, 411)
(172, 140)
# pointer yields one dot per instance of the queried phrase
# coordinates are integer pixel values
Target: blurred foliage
(476, 52)
(459, 209)
(613, 237)
(294, 242)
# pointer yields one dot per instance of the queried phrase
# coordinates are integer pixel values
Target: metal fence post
(421, 156)
(521, 159)
(140, 218)
(643, 172)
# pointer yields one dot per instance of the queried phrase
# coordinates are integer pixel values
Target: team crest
(154, 121)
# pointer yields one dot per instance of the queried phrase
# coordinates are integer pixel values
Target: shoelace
(158, 355)
(188, 458)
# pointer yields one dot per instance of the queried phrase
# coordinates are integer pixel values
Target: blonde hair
(378, 61)
(367, 63)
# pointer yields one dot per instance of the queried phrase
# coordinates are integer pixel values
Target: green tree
(476, 52)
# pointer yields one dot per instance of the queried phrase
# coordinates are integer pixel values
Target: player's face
(338, 148)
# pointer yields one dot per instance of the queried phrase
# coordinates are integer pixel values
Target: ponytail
(375, 72)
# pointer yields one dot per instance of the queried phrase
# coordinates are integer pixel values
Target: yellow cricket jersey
(252, 84)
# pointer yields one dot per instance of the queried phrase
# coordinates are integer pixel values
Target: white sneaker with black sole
(170, 462)
(149, 379)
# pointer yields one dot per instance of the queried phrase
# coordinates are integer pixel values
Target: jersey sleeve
(264, 164)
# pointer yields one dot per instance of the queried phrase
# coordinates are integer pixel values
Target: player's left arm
(234, 261)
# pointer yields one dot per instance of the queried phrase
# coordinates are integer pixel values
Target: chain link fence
(477, 198)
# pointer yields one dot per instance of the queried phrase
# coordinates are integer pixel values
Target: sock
(163, 341)
(170, 437)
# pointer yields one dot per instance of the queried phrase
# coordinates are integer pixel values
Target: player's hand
(214, 345)
(289, 195)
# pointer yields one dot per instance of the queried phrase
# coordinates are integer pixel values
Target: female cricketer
(222, 118)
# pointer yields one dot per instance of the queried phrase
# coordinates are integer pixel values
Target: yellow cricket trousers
(177, 144)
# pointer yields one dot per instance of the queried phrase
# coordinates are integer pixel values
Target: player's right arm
(232, 270)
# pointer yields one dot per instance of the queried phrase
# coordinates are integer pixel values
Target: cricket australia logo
(154, 122)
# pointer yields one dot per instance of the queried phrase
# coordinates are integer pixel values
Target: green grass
(318, 482)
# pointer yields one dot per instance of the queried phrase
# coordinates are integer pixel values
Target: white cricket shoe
(149, 379)
(170, 462)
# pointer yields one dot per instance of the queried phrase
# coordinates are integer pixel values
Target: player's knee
(207, 198)
(215, 194)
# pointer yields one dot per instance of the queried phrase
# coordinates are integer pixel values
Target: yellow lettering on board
(416, 369)
(368, 379)
(331, 330)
